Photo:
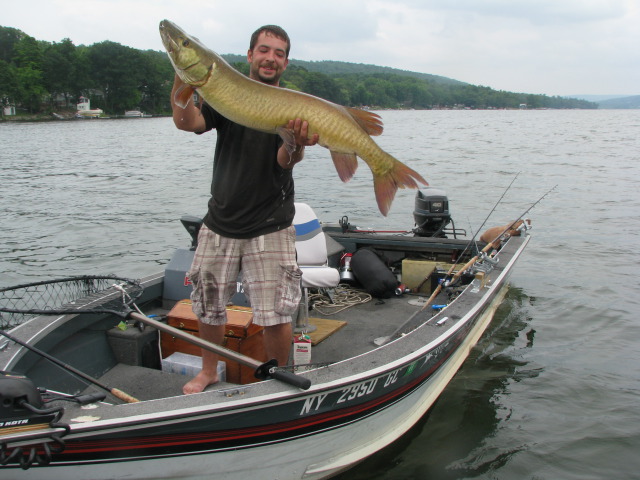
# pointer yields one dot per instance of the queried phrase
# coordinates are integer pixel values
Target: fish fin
(369, 121)
(346, 164)
(288, 138)
(386, 185)
(183, 95)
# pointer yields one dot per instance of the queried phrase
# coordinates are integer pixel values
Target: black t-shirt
(251, 194)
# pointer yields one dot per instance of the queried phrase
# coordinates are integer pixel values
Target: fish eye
(185, 43)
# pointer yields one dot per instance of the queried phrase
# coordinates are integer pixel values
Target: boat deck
(364, 323)
(347, 333)
(352, 332)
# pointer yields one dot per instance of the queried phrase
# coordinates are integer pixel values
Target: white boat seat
(311, 249)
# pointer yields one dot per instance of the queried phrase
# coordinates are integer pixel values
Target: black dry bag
(372, 273)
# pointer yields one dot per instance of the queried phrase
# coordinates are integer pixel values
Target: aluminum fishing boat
(387, 318)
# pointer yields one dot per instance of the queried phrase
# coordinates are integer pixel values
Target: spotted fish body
(346, 132)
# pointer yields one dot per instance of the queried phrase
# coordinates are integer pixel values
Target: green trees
(155, 81)
(314, 83)
(125, 78)
(41, 76)
(27, 68)
(64, 72)
(8, 74)
(33, 73)
(114, 73)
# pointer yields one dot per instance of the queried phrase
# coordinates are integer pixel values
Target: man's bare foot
(199, 382)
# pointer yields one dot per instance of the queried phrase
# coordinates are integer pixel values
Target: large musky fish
(346, 132)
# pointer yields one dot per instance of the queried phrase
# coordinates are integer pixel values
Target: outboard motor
(431, 213)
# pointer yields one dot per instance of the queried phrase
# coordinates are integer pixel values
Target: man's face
(268, 60)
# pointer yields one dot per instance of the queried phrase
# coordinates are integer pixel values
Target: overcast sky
(553, 47)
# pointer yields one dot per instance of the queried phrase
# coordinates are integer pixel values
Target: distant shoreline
(62, 117)
(65, 117)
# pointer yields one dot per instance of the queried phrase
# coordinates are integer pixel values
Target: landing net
(79, 294)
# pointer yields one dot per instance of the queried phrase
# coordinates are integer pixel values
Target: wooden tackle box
(241, 336)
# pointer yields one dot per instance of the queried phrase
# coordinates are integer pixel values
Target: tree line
(43, 77)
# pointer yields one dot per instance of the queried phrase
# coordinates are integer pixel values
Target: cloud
(537, 12)
(536, 46)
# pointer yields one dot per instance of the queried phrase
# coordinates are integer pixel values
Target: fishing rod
(469, 243)
(487, 217)
(489, 245)
(525, 212)
(382, 340)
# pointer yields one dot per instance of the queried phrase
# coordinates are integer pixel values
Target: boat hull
(267, 430)
(365, 428)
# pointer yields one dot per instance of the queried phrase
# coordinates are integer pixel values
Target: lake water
(552, 391)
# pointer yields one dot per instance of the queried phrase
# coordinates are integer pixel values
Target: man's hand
(298, 138)
(300, 130)
(186, 116)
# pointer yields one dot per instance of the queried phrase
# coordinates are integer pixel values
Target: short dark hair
(274, 30)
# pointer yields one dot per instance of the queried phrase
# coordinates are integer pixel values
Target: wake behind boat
(390, 318)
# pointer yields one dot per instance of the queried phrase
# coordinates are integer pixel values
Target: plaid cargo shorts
(271, 277)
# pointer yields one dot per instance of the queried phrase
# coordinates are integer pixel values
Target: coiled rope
(344, 297)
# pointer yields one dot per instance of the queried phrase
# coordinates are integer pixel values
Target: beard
(272, 77)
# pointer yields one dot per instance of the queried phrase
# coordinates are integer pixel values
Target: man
(249, 219)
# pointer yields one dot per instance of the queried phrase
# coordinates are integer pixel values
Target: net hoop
(69, 295)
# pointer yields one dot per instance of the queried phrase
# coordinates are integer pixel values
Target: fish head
(192, 61)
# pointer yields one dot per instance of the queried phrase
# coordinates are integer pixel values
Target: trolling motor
(22, 408)
(15, 391)
(431, 213)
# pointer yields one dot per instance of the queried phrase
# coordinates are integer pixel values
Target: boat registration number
(346, 395)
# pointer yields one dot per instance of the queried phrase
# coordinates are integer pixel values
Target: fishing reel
(485, 263)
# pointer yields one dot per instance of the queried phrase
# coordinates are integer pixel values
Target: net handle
(262, 370)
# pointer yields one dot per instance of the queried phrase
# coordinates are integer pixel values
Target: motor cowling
(15, 391)
(431, 213)
(21, 408)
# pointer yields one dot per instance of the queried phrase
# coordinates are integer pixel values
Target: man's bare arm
(189, 118)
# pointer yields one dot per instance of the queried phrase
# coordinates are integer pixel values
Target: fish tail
(385, 185)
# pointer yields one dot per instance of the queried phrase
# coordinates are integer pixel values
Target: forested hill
(624, 102)
(333, 67)
(383, 87)
(43, 77)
